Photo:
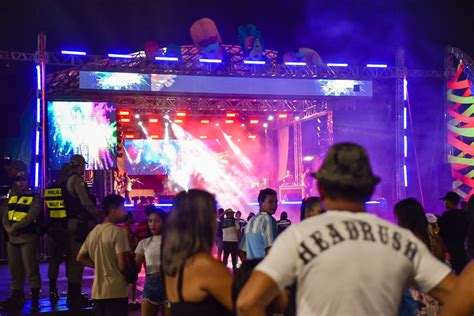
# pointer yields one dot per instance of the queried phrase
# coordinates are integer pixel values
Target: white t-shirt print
(349, 263)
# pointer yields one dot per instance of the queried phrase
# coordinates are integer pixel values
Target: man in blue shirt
(260, 231)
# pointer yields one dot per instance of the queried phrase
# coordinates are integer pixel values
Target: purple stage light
(36, 174)
(165, 58)
(71, 52)
(211, 61)
(404, 118)
(38, 110)
(120, 56)
(405, 177)
(405, 146)
(295, 63)
(337, 65)
(405, 86)
(254, 62)
(376, 66)
(38, 76)
(37, 147)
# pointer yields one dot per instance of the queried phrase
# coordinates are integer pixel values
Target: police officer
(82, 214)
(20, 222)
(57, 230)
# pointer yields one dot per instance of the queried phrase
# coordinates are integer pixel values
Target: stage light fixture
(295, 63)
(204, 121)
(125, 120)
(137, 116)
(217, 124)
(166, 117)
(154, 136)
(282, 116)
(153, 120)
(203, 137)
(229, 121)
(181, 114)
(297, 118)
(337, 65)
(211, 61)
(178, 121)
(243, 125)
(253, 121)
(165, 58)
(140, 123)
(129, 136)
(319, 121)
(270, 118)
(120, 56)
(376, 66)
(308, 158)
(72, 52)
(254, 62)
(265, 125)
(124, 112)
(230, 115)
(238, 139)
(252, 136)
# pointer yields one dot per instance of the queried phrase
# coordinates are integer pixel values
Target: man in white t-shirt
(105, 250)
(345, 262)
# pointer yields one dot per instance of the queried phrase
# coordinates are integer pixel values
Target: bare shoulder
(205, 263)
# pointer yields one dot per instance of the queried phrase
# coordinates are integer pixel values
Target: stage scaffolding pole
(401, 161)
(40, 131)
(297, 152)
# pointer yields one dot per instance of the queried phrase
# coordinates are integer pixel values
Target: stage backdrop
(85, 128)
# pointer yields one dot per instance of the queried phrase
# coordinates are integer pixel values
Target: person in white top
(148, 252)
(345, 262)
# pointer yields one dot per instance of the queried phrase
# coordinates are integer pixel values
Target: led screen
(85, 128)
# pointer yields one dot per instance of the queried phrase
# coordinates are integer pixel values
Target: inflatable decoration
(308, 55)
(206, 38)
(251, 41)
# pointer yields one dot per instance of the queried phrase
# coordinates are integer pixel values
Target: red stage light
(178, 121)
(153, 120)
(253, 121)
(203, 137)
(125, 120)
(229, 121)
(154, 136)
(252, 136)
(124, 113)
(181, 114)
(129, 136)
(282, 116)
(204, 121)
(230, 115)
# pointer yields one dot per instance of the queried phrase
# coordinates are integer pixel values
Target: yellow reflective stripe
(25, 200)
(58, 214)
(56, 192)
(13, 199)
(16, 216)
(55, 204)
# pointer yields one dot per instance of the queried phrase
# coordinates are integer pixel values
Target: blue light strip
(337, 65)
(404, 118)
(254, 62)
(37, 143)
(165, 58)
(295, 63)
(207, 60)
(38, 76)
(38, 110)
(405, 86)
(405, 146)
(71, 52)
(120, 56)
(405, 177)
(36, 174)
(376, 66)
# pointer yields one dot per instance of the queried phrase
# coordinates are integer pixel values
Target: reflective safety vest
(18, 206)
(55, 203)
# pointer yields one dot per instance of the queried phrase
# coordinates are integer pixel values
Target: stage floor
(61, 307)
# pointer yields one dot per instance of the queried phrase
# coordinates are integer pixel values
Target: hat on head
(431, 218)
(22, 175)
(347, 164)
(77, 160)
(451, 196)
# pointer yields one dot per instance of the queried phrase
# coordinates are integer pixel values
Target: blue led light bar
(376, 66)
(165, 58)
(254, 62)
(71, 52)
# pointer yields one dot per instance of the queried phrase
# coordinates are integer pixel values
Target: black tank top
(208, 307)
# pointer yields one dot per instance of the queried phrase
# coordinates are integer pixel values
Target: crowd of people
(339, 260)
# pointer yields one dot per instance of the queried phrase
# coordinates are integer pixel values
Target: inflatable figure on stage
(207, 39)
(307, 55)
(251, 41)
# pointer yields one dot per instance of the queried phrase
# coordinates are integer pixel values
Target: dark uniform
(82, 214)
(20, 221)
(57, 235)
